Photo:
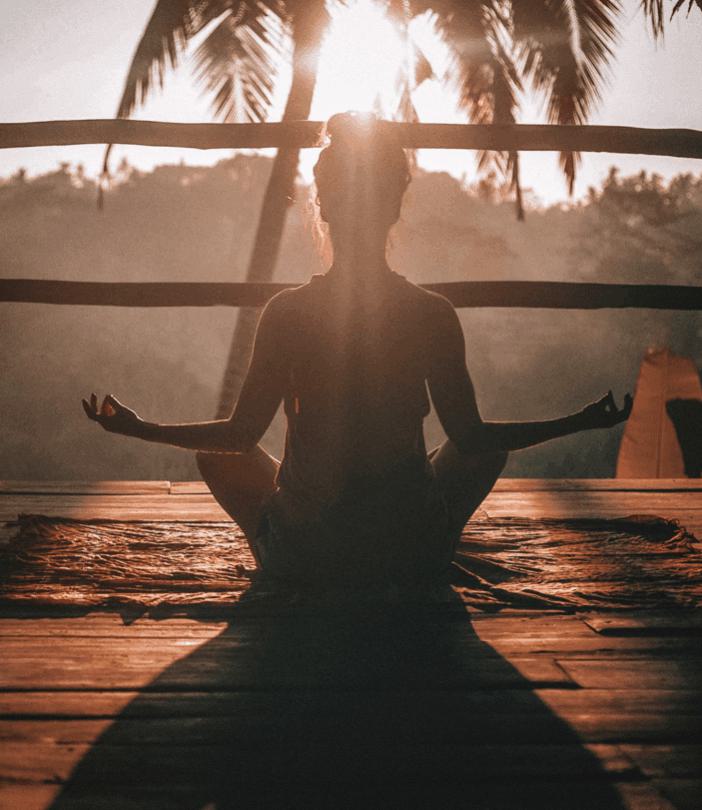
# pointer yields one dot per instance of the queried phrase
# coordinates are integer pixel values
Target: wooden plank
(635, 705)
(685, 794)
(591, 484)
(153, 795)
(84, 487)
(302, 134)
(436, 721)
(664, 485)
(200, 703)
(530, 294)
(189, 488)
(530, 646)
(676, 623)
(242, 667)
(546, 504)
(536, 485)
(623, 503)
(177, 762)
(642, 796)
(557, 636)
(248, 727)
(650, 673)
(668, 760)
(108, 625)
(113, 507)
(33, 796)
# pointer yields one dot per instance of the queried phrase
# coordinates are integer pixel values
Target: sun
(360, 63)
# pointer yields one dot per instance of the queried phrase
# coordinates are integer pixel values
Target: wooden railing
(519, 137)
(495, 137)
(532, 294)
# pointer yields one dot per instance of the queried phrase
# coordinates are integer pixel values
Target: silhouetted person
(354, 354)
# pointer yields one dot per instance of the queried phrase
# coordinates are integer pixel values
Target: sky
(68, 59)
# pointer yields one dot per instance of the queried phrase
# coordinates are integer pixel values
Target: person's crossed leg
(242, 482)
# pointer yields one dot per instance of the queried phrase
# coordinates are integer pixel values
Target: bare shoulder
(281, 306)
(433, 306)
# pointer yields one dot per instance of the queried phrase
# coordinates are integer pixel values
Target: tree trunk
(307, 29)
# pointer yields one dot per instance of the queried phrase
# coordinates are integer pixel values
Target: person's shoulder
(432, 303)
(289, 299)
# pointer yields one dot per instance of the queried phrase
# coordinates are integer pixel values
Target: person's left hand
(112, 415)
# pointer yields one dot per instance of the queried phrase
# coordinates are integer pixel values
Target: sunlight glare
(360, 62)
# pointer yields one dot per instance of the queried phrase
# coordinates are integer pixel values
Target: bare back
(355, 373)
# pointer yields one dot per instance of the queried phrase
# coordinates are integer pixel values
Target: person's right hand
(604, 413)
(112, 415)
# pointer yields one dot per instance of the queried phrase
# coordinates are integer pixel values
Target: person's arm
(260, 397)
(453, 395)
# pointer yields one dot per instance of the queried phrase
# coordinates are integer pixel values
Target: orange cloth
(650, 447)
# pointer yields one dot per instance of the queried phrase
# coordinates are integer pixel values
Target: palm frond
(655, 14)
(423, 71)
(485, 75)
(172, 24)
(565, 50)
(237, 64)
(470, 71)
(415, 69)
(690, 5)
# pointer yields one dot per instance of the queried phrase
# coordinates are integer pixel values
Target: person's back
(357, 365)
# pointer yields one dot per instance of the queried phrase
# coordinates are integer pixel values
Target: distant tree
(643, 228)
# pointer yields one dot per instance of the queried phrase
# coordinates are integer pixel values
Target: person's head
(361, 178)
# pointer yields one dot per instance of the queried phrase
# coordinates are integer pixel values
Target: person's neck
(360, 259)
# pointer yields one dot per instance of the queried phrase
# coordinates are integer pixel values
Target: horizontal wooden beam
(496, 137)
(530, 294)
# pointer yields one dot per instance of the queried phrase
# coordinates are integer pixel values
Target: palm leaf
(655, 13)
(690, 5)
(565, 49)
(171, 25)
(485, 75)
(237, 62)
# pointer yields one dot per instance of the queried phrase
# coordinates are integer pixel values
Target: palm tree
(560, 48)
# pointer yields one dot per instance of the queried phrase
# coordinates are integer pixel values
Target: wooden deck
(348, 709)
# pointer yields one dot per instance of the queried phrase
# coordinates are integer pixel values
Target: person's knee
(202, 459)
(209, 464)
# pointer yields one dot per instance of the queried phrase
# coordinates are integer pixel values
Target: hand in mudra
(604, 413)
(112, 415)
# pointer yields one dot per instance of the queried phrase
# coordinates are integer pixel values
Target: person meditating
(354, 355)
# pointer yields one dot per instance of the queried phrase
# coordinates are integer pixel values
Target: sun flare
(361, 60)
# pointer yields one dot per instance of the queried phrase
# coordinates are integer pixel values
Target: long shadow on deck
(362, 709)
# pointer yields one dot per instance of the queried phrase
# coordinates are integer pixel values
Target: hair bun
(352, 129)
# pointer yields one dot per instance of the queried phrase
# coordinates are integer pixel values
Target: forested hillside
(194, 223)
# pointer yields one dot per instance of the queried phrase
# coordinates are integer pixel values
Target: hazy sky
(68, 60)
